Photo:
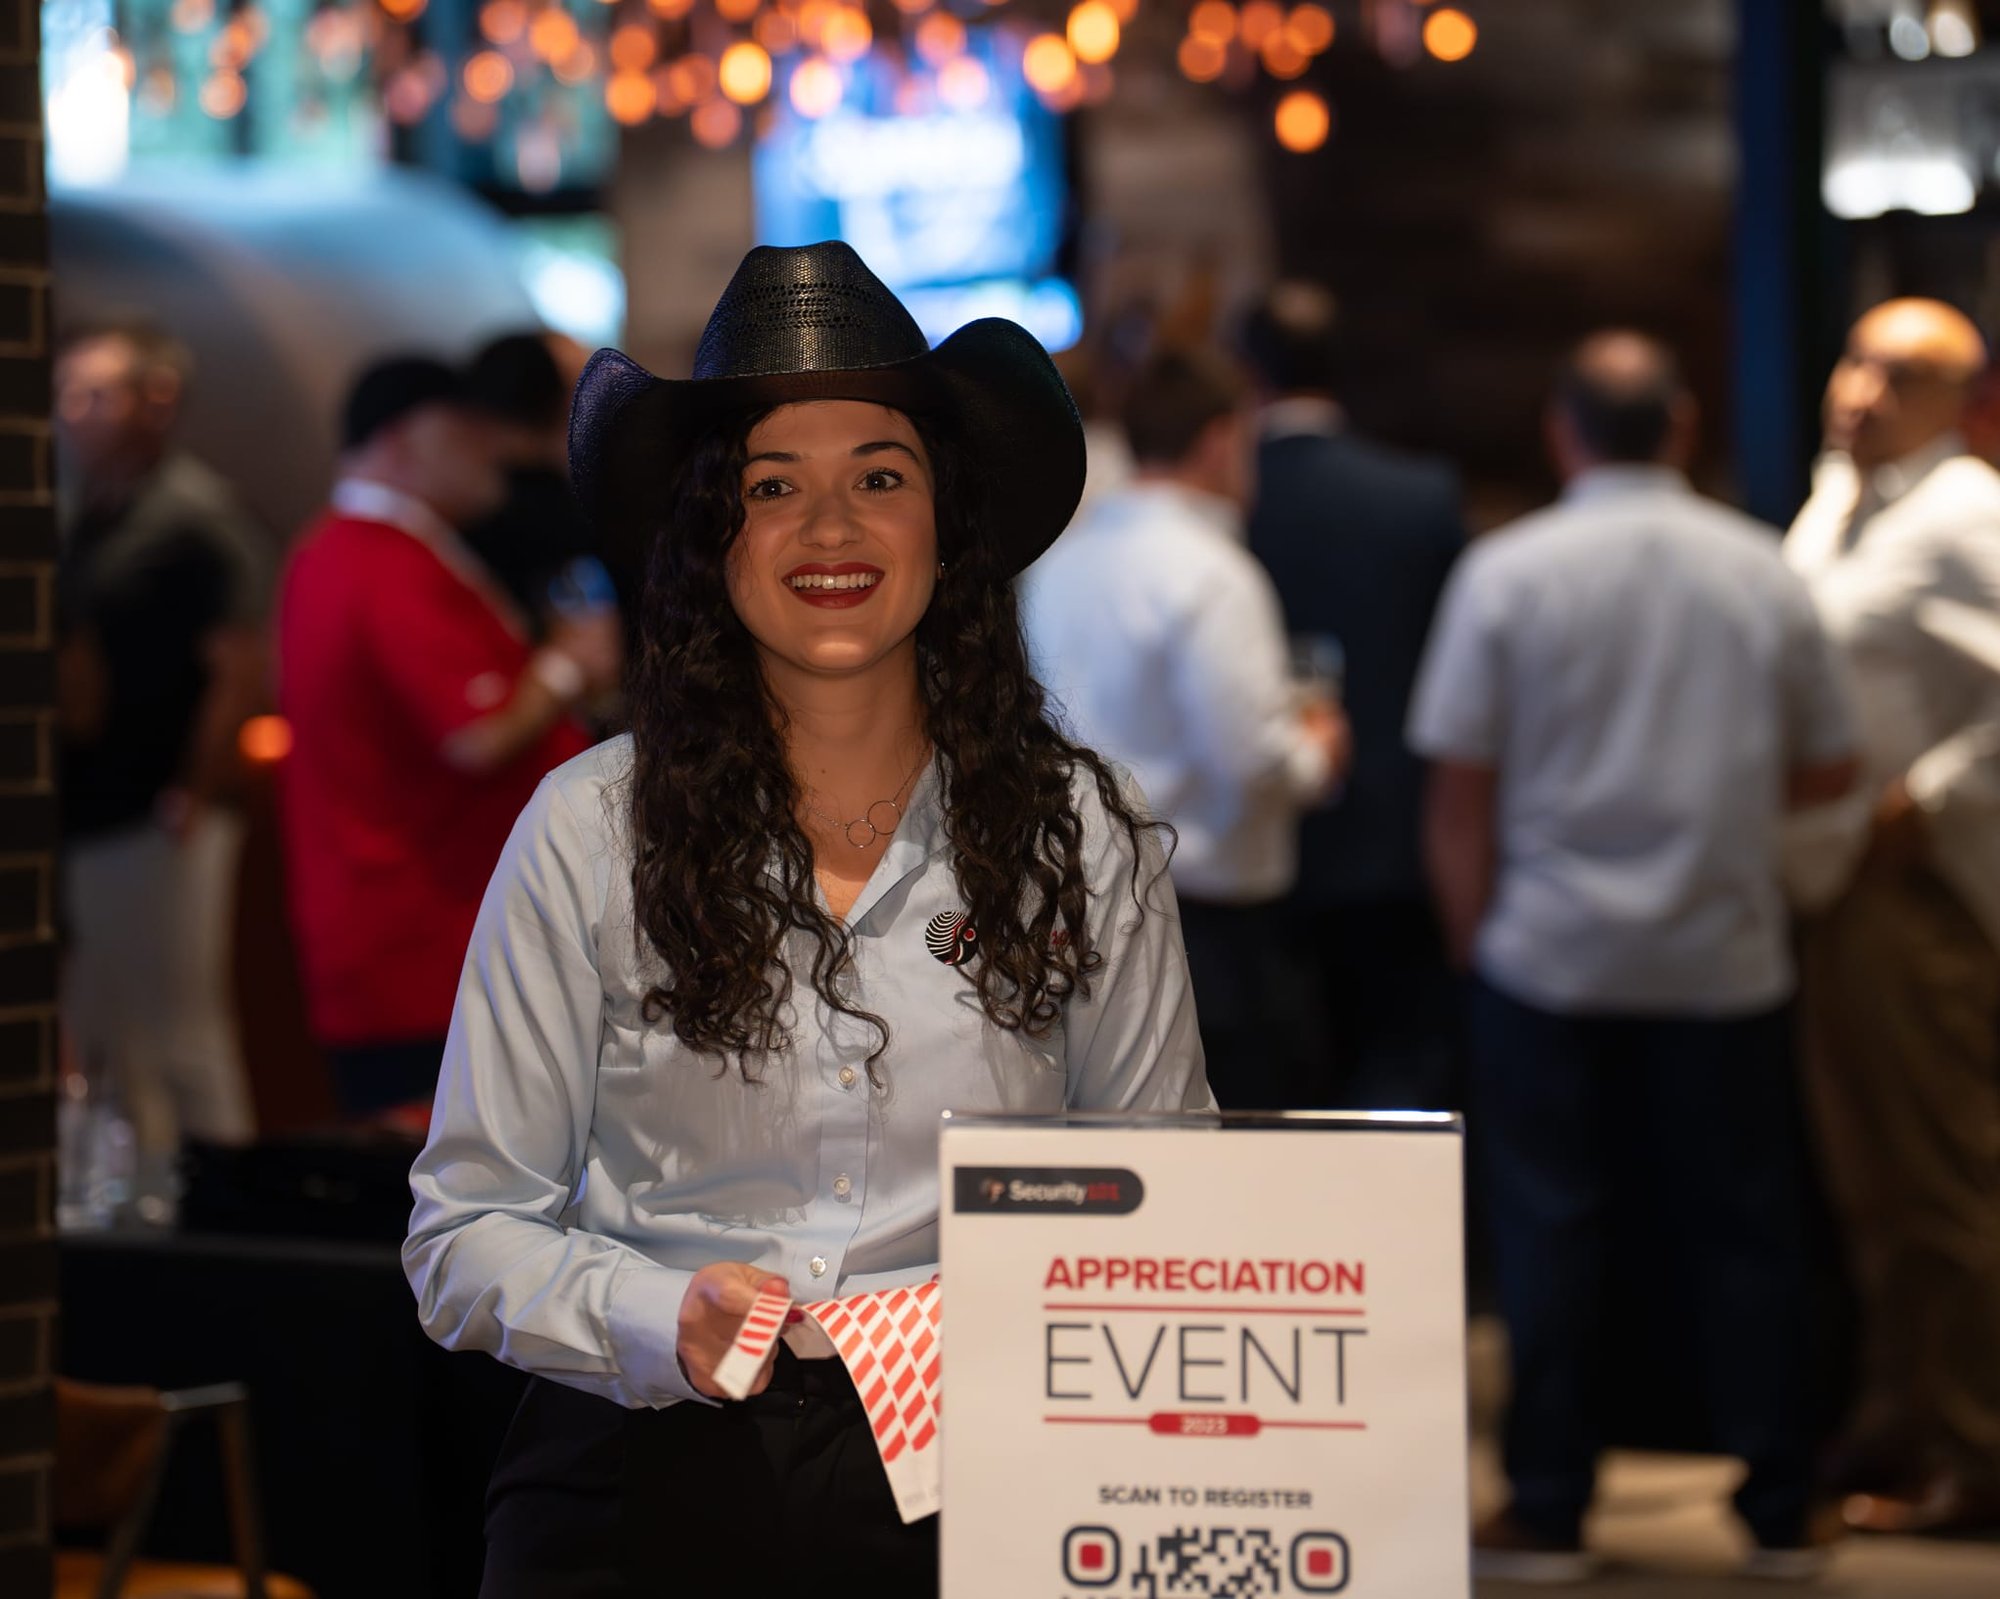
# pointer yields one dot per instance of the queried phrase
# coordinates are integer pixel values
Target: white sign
(1190, 1360)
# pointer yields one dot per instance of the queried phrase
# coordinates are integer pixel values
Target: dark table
(373, 1444)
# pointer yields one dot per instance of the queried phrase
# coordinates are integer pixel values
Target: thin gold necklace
(866, 820)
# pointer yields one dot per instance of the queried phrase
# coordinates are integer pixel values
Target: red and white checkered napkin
(889, 1343)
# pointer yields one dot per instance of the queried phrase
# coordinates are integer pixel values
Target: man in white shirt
(1161, 640)
(1902, 980)
(1621, 695)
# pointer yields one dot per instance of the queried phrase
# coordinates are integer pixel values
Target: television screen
(949, 185)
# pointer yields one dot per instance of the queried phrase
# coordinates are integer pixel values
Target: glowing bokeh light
(1213, 22)
(1093, 32)
(1302, 121)
(223, 95)
(404, 10)
(1201, 60)
(473, 122)
(633, 47)
(630, 98)
(736, 10)
(670, 9)
(1310, 28)
(963, 84)
(1048, 65)
(488, 76)
(554, 34)
(847, 35)
(693, 80)
(1261, 19)
(816, 89)
(716, 124)
(579, 66)
(1450, 35)
(744, 73)
(192, 16)
(940, 36)
(1282, 58)
(501, 21)
(776, 32)
(264, 740)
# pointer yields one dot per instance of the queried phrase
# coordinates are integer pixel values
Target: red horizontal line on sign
(1098, 1421)
(1234, 1310)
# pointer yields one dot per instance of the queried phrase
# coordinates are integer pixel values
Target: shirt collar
(1889, 482)
(1610, 482)
(1158, 497)
(370, 501)
(1302, 416)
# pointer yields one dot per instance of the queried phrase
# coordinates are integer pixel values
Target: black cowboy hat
(815, 324)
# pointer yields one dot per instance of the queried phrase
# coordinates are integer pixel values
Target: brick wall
(27, 824)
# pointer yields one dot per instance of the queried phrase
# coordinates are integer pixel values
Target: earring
(940, 571)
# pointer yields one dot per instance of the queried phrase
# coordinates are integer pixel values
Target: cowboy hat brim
(630, 430)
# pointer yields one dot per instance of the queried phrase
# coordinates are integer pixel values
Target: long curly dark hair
(723, 872)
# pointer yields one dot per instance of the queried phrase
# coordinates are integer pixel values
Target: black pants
(782, 1493)
(1391, 1009)
(369, 1078)
(1259, 1027)
(1716, 1115)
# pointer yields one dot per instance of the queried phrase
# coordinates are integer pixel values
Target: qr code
(1217, 1563)
(1206, 1563)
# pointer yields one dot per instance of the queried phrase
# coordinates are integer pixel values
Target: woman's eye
(767, 488)
(879, 481)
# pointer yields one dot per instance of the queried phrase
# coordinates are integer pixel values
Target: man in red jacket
(422, 717)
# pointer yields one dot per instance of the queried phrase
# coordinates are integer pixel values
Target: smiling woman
(706, 1030)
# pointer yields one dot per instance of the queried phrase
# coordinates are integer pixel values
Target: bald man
(1620, 695)
(1902, 979)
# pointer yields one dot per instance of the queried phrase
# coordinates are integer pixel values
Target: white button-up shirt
(583, 1163)
(1895, 563)
(1643, 671)
(1162, 642)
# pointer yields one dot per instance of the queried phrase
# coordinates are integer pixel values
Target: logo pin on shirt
(950, 937)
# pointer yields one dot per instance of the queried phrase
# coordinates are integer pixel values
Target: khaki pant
(1901, 1000)
(146, 981)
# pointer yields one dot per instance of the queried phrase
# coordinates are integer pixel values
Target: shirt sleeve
(494, 1264)
(435, 649)
(1958, 779)
(1234, 691)
(1818, 712)
(1133, 1043)
(1456, 710)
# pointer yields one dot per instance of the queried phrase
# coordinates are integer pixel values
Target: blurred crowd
(1664, 843)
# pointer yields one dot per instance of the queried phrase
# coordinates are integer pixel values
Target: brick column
(27, 823)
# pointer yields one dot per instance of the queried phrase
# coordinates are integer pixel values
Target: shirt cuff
(643, 1323)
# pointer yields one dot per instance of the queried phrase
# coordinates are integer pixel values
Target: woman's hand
(713, 1308)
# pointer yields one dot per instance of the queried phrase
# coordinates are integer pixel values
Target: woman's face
(838, 554)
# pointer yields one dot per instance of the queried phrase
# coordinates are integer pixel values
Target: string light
(815, 90)
(693, 80)
(1212, 22)
(501, 21)
(633, 48)
(848, 34)
(1260, 19)
(736, 10)
(1201, 60)
(554, 34)
(716, 124)
(1310, 28)
(1302, 121)
(744, 73)
(1282, 58)
(940, 36)
(264, 740)
(630, 98)
(1093, 32)
(1048, 65)
(1450, 34)
(963, 84)
(488, 76)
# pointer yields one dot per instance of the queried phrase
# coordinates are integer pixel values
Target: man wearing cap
(423, 718)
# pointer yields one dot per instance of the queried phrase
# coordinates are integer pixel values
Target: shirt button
(847, 1077)
(843, 1185)
(817, 1266)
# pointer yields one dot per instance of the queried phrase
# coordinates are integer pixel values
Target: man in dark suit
(1358, 539)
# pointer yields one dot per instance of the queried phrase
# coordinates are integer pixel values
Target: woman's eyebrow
(783, 456)
(879, 445)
